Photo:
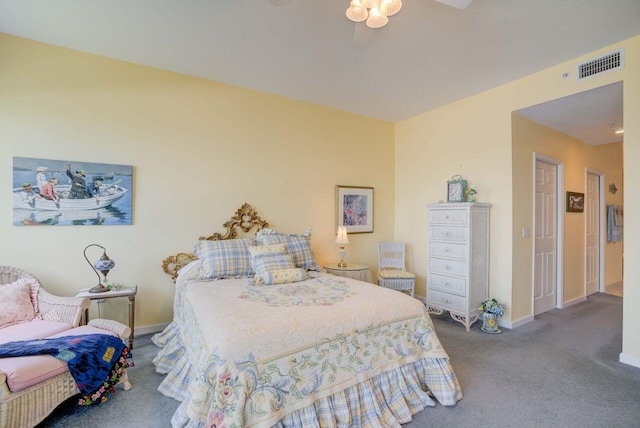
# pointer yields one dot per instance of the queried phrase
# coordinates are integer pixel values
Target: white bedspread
(259, 353)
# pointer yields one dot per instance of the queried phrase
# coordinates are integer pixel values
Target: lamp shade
(376, 19)
(390, 7)
(342, 237)
(356, 12)
(370, 4)
(104, 264)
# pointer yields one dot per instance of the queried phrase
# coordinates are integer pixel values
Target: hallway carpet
(560, 370)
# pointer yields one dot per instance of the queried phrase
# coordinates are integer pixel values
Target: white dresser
(458, 265)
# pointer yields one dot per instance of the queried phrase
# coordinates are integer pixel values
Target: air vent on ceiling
(602, 64)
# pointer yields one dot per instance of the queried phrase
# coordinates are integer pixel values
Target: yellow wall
(473, 137)
(611, 155)
(199, 150)
(530, 137)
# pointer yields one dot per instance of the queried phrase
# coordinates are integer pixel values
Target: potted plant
(471, 194)
(491, 311)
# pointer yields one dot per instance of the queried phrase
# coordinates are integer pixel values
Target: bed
(314, 350)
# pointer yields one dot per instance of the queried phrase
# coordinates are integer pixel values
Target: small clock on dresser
(456, 189)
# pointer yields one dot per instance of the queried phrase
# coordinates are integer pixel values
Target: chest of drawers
(458, 262)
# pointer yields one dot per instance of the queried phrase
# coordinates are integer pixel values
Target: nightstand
(352, 270)
(129, 292)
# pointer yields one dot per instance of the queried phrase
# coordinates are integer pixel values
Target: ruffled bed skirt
(386, 400)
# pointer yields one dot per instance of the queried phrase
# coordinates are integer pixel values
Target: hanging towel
(614, 231)
(619, 215)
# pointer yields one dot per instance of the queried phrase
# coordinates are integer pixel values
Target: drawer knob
(447, 217)
(448, 267)
(447, 234)
(447, 250)
(447, 284)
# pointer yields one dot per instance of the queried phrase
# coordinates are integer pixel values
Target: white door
(546, 237)
(592, 238)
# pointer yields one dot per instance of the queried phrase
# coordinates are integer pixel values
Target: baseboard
(515, 324)
(573, 301)
(614, 284)
(423, 299)
(147, 329)
(630, 360)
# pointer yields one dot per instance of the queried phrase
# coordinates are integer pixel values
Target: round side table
(352, 270)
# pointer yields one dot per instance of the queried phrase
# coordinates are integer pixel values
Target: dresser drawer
(448, 217)
(448, 267)
(448, 233)
(447, 301)
(447, 284)
(448, 249)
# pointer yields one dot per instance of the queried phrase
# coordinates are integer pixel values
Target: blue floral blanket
(96, 361)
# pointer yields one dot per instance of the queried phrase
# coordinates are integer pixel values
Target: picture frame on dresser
(354, 208)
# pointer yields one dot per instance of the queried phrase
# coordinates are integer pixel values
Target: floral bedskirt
(328, 351)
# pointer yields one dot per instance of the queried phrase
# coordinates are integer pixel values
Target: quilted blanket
(239, 355)
(95, 361)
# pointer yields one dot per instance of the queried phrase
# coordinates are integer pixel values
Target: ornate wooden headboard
(245, 218)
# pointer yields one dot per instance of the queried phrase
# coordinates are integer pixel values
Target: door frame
(602, 226)
(559, 163)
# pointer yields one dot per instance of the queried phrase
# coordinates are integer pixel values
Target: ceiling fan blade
(362, 34)
(460, 4)
(278, 2)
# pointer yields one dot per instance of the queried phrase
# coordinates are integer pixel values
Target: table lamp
(104, 264)
(342, 240)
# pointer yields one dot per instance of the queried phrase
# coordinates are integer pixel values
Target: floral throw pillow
(15, 304)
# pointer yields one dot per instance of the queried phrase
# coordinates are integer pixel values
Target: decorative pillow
(298, 245)
(259, 251)
(224, 259)
(15, 304)
(34, 285)
(283, 276)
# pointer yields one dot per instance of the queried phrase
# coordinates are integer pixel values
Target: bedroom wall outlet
(526, 232)
(565, 74)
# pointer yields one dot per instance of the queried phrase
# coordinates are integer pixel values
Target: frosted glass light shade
(370, 4)
(376, 19)
(390, 7)
(356, 12)
(342, 237)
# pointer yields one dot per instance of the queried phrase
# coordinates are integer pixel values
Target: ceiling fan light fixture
(390, 7)
(370, 4)
(376, 19)
(356, 12)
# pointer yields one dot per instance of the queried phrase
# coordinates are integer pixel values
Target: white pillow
(15, 304)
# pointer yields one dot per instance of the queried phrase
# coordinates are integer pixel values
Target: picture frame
(575, 202)
(61, 192)
(354, 208)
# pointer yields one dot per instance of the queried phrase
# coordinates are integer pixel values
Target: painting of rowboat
(70, 193)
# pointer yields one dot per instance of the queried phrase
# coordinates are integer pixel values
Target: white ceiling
(591, 116)
(427, 56)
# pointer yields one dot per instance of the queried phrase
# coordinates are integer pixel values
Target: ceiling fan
(460, 4)
(370, 14)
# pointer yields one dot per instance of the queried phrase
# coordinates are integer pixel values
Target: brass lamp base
(98, 289)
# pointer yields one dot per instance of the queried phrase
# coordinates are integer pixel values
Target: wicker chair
(28, 407)
(391, 269)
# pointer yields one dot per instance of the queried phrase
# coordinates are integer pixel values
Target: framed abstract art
(355, 208)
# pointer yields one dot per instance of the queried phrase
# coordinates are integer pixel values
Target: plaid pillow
(268, 258)
(299, 246)
(224, 259)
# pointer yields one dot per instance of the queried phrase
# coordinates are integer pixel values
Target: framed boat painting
(70, 193)
(355, 208)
